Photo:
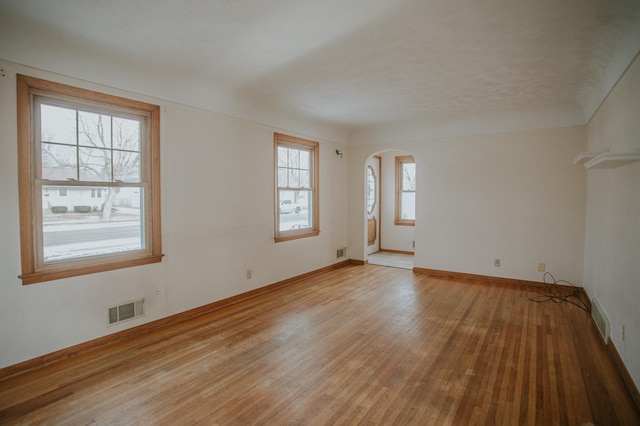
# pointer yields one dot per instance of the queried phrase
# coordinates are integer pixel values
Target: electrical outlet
(496, 263)
(623, 333)
(248, 274)
(541, 267)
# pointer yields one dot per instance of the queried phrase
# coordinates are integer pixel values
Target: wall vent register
(126, 311)
(601, 320)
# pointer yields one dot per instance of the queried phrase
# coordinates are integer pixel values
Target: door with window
(373, 204)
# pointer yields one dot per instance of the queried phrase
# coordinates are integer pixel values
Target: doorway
(390, 183)
(393, 260)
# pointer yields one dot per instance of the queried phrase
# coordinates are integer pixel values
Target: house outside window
(89, 181)
(297, 190)
(405, 191)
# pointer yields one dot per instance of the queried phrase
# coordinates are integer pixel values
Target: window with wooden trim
(89, 181)
(405, 191)
(297, 190)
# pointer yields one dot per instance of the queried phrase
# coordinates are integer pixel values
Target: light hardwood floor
(358, 345)
(394, 260)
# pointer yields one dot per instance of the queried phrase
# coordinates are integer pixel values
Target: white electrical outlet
(496, 263)
(541, 267)
(248, 274)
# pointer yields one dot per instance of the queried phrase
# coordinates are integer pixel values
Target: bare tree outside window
(81, 146)
(89, 181)
(405, 191)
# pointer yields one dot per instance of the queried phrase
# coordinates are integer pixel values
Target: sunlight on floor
(394, 260)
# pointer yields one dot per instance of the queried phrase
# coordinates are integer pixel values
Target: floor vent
(126, 311)
(341, 252)
(601, 320)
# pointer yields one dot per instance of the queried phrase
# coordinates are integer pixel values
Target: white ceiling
(354, 63)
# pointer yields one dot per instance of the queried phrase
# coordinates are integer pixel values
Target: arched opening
(390, 195)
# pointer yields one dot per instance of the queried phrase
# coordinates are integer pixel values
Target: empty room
(320, 212)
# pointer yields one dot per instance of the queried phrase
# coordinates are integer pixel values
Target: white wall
(513, 196)
(612, 251)
(217, 220)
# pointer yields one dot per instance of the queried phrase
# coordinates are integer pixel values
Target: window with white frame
(297, 190)
(89, 181)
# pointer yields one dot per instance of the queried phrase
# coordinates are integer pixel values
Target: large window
(405, 191)
(297, 192)
(89, 181)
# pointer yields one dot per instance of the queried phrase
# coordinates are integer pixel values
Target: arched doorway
(390, 184)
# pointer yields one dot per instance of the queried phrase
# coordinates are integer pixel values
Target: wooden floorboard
(363, 344)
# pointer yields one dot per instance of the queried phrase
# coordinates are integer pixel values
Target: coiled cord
(552, 292)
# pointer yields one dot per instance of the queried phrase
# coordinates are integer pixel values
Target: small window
(371, 189)
(405, 191)
(89, 181)
(297, 192)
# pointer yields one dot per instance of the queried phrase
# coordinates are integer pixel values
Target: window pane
(294, 178)
(295, 210)
(95, 164)
(57, 124)
(294, 158)
(283, 182)
(126, 134)
(59, 162)
(80, 225)
(408, 206)
(94, 133)
(94, 129)
(283, 157)
(409, 176)
(305, 179)
(305, 160)
(126, 166)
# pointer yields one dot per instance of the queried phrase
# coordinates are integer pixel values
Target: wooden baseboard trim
(82, 348)
(396, 251)
(498, 280)
(617, 361)
(622, 369)
(475, 277)
(358, 262)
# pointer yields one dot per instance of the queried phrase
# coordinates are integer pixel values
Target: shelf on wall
(610, 160)
(583, 157)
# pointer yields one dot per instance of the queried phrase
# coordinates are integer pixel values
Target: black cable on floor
(552, 292)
